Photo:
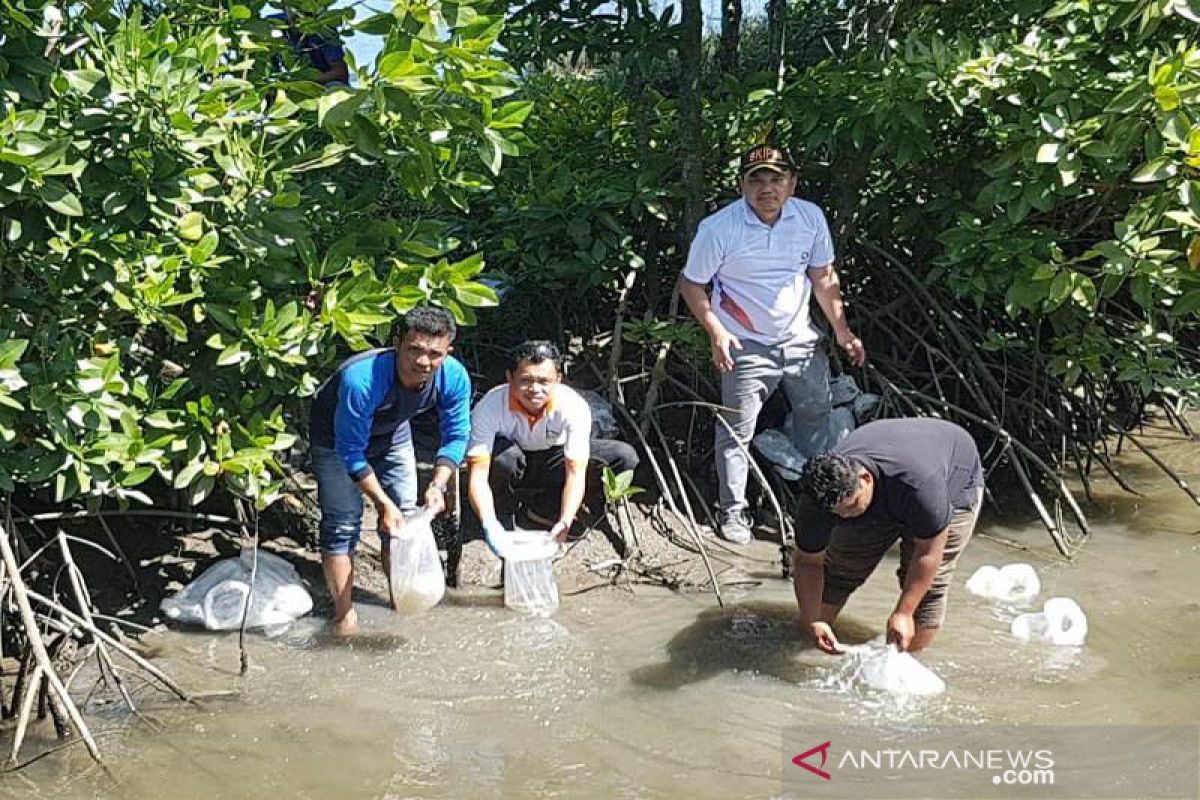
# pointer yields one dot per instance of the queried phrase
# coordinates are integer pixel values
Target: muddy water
(647, 696)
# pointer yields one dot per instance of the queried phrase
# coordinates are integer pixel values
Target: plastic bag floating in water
(1012, 583)
(1061, 621)
(417, 581)
(884, 668)
(218, 597)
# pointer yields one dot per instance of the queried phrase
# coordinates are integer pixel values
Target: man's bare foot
(347, 625)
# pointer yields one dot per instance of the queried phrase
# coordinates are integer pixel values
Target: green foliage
(1055, 163)
(1035, 163)
(569, 221)
(618, 487)
(190, 236)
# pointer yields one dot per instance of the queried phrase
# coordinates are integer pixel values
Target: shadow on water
(317, 634)
(755, 637)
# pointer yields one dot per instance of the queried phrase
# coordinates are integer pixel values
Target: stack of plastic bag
(217, 599)
(417, 581)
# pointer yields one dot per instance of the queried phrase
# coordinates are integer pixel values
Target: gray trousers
(758, 370)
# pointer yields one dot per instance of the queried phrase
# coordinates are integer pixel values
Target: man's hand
(391, 521)
(900, 630)
(852, 346)
(493, 533)
(560, 530)
(825, 639)
(435, 499)
(723, 345)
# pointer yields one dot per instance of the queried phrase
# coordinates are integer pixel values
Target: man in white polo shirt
(766, 255)
(534, 432)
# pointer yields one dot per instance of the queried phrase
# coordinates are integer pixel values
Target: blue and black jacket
(363, 410)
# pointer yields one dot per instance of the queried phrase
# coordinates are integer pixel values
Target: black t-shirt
(923, 469)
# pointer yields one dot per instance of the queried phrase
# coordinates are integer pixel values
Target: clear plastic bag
(417, 581)
(1013, 583)
(529, 584)
(217, 598)
(884, 668)
(1061, 622)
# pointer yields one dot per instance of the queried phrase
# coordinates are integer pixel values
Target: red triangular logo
(823, 749)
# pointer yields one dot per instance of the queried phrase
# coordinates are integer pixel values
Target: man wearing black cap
(766, 255)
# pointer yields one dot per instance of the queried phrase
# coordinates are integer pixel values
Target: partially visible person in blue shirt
(362, 444)
(324, 52)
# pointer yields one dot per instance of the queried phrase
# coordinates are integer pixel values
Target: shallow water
(647, 696)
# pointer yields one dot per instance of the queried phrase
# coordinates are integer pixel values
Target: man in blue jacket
(362, 445)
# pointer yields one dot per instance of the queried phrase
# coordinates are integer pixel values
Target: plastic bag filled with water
(217, 599)
(1061, 622)
(1018, 584)
(529, 584)
(417, 582)
(884, 668)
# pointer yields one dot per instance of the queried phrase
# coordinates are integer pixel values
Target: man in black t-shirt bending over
(917, 480)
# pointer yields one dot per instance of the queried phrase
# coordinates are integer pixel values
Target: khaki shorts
(856, 548)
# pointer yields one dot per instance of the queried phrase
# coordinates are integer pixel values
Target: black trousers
(515, 472)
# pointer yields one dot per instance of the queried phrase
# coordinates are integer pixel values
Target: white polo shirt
(566, 420)
(761, 289)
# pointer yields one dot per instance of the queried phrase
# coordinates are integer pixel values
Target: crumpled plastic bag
(884, 668)
(1061, 622)
(843, 389)
(776, 447)
(865, 406)
(417, 580)
(217, 598)
(1013, 583)
(841, 423)
(604, 422)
